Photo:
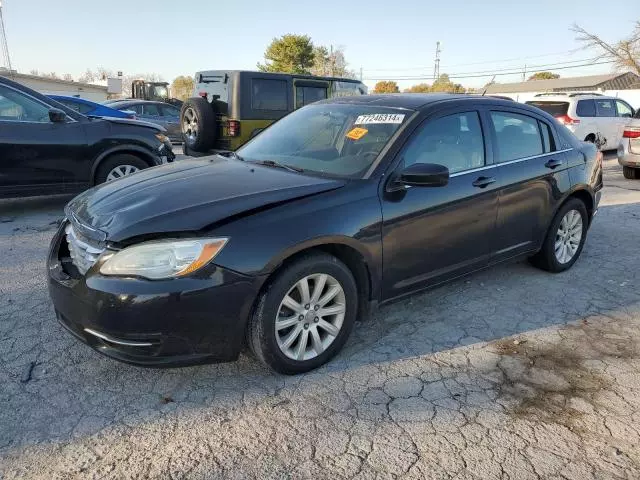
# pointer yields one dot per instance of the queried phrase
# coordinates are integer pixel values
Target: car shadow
(449, 340)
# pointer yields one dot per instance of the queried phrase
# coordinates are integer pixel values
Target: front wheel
(305, 315)
(119, 166)
(565, 239)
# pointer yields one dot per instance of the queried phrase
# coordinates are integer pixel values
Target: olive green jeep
(229, 107)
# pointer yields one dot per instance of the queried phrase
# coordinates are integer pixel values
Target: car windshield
(339, 140)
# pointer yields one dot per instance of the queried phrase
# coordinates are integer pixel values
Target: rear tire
(631, 173)
(548, 257)
(198, 124)
(306, 324)
(118, 166)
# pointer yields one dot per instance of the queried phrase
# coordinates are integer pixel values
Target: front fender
(135, 149)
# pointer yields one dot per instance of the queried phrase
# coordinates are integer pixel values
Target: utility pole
(524, 73)
(436, 65)
(3, 41)
(360, 73)
(332, 60)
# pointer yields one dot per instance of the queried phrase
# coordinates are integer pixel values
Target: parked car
(47, 148)
(629, 150)
(282, 242)
(230, 107)
(159, 113)
(91, 109)
(590, 116)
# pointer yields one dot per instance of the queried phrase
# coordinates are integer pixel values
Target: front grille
(83, 253)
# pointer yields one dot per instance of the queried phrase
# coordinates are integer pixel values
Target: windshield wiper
(230, 153)
(273, 163)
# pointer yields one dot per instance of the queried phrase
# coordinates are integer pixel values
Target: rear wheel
(119, 166)
(198, 124)
(565, 239)
(631, 173)
(305, 315)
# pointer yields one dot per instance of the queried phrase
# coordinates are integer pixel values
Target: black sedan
(338, 207)
(48, 148)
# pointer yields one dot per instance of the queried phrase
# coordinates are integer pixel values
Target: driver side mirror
(57, 116)
(425, 175)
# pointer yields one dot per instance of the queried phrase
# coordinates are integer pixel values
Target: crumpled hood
(187, 195)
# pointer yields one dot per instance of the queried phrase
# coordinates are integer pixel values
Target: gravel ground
(512, 373)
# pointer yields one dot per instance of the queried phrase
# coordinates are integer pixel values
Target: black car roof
(415, 101)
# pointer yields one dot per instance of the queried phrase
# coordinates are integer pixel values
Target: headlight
(162, 137)
(163, 259)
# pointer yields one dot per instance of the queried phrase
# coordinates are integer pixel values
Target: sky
(386, 39)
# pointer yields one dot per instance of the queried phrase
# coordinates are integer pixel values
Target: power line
(483, 62)
(490, 72)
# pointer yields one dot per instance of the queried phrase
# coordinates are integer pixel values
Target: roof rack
(577, 94)
(552, 94)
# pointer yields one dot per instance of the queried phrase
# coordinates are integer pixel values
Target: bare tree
(67, 77)
(624, 54)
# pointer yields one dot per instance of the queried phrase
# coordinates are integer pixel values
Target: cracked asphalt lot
(511, 373)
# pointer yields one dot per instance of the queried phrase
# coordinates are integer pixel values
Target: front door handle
(482, 182)
(553, 164)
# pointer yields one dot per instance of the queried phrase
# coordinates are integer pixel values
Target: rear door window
(151, 110)
(169, 111)
(605, 108)
(624, 110)
(518, 136)
(555, 109)
(307, 95)
(268, 94)
(586, 108)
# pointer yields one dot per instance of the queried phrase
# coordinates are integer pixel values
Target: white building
(623, 85)
(54, 86)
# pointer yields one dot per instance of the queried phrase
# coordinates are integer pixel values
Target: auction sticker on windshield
(379, 118)
(357, 133)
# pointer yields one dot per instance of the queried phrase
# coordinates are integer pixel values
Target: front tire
(119, 166)
(565, 239)
(631, 173)
(305, 315)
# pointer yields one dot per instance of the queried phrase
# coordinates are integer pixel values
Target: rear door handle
(553, 164)
(482, 182)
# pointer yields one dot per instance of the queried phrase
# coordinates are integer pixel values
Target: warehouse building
(55, 86)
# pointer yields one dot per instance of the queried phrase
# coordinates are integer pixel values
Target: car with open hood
(336, 208)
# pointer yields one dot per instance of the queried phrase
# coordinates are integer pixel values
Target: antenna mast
(3, 42)
(436, 65)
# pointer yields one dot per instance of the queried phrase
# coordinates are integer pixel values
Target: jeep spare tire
(198, 124)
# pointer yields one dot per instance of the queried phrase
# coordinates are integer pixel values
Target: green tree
(445, 85)
(289, 54)
(624, 54)
(419, 88)
(386, 87)
(543, 76)
(182, 87)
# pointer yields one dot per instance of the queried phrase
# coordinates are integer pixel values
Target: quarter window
(605, 108)
(586, 108)
(518, 136)
(454, 141)
(150, 109)
(547, 137)
(268, 94)
(169, 111)
(20, 108)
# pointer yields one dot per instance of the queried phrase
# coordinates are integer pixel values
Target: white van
(590, 116)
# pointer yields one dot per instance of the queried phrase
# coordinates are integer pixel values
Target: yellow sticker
(357, 133)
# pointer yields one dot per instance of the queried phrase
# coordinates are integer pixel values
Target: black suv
(47, 148)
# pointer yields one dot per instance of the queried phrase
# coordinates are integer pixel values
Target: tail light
(233, 128)
(567, 120)
(631, 132)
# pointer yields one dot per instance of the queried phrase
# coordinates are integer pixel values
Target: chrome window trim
(510, 162)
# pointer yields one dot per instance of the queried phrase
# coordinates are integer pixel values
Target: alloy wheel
(568, 236)
(121, 171)
(310, 316)
(190, 125)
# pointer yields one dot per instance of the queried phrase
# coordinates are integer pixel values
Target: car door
(431, 234)
(34, 151)
(151, 113)
(171, 116)
(625, 114)
(534, 175)
(608, 122)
